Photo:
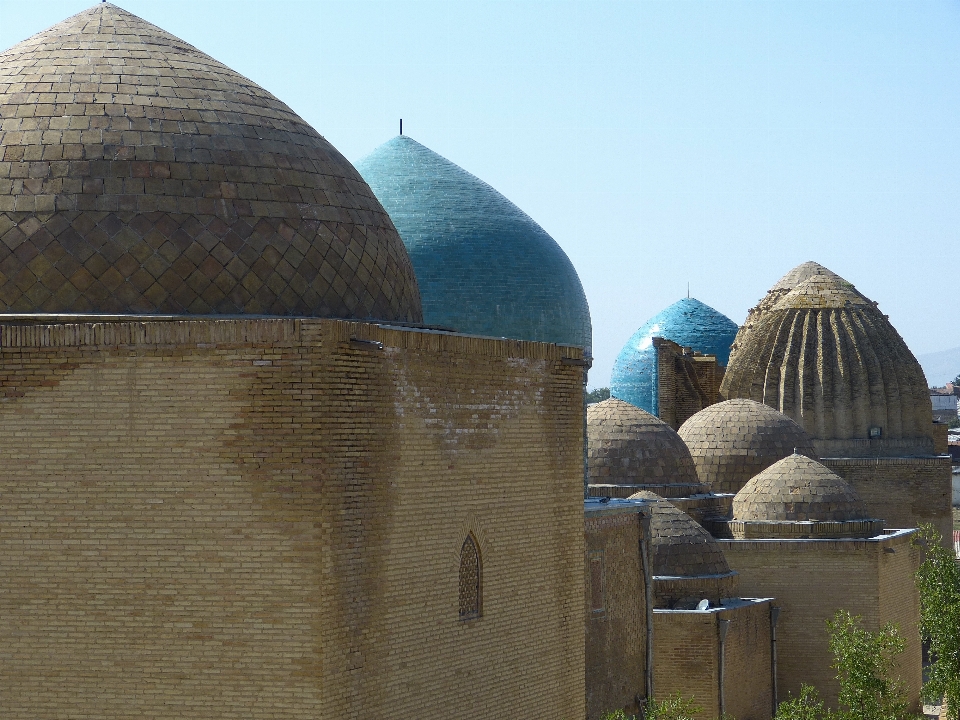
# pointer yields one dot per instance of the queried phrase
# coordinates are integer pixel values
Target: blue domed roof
(688, 322)
(484, 267)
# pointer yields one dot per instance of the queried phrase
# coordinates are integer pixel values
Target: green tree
(674, 707)
(864, 662)
(938, 581)
(806, 706)
(595, 396)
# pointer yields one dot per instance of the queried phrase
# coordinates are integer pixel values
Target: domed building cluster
(814, 456)
(289, 437)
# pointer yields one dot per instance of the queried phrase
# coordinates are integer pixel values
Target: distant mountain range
(940, 367)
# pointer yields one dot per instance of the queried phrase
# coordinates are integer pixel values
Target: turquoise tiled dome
(688, 322)
(483, 266)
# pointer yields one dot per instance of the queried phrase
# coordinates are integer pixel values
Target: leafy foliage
(806, 706)
(864, 662)
(938, 581)
(674, 707)
(598, 395)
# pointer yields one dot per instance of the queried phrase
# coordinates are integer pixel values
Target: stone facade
(615, 607)
(264, 518)
(812, 579)
(687, 659)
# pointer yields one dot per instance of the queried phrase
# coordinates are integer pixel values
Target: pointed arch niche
(471, 579)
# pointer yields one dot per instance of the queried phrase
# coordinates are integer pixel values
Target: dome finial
(401, 126)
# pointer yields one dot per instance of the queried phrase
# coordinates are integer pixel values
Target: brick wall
(903, 491)
(686, 647)
(262, 519)
(940, 442)
(748, 686)
(812, 579)
(615, 609)
(687, 659)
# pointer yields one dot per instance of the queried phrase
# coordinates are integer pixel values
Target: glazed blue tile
(483, 265)
(688, 322)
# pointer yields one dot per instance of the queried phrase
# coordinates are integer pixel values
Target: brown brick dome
(629, 446)
(820, 352)
(680, 546)
(798, 489)
(687, 562)
(138, 175)
(732, 441)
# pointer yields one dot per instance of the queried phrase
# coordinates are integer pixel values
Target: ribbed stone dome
(142, 176)
(689, 323)
(626, 445)
(798, 489)
(483, 266)
(732, 441)
(681, 548)
(823, 354)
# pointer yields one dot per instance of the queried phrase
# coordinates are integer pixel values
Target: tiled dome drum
(689, 323)
(732, 441)
(626, 445)
(483, 265)
(139, 175)
(800, 498)
(798, 489)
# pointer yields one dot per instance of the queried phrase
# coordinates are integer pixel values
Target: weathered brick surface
(615, 611)
(904, 492)
(687, 659)
(821, 353)
(138, 174)
(812, 579)
(263, 519)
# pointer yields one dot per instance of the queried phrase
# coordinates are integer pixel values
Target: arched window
(469, 579)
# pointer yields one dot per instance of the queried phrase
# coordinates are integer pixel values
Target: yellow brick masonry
(687, 658)
(812, 579)
(616, 636)
(262, 518)
(903, 491)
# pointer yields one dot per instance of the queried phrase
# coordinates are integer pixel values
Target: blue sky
(713, 142)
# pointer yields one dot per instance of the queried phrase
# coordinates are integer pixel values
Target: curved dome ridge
(483, 265)
(823, 354)
(687, 322)
(798, 489)
(146, 177)
(628, 446)
(731, 441)
(681, 547)
(822, 291)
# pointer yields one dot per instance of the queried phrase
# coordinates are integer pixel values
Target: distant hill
(940, 367)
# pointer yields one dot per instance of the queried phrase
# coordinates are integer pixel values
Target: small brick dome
(143, 176)
(820, 352)
(689, 323)
(798, 489)
(681, 547)
(628, 446)
(483, 265)
(732, 441)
